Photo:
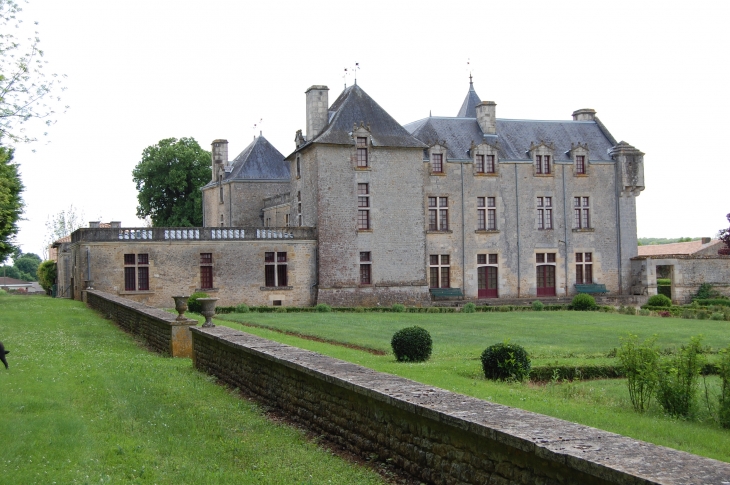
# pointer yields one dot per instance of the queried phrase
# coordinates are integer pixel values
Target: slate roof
(513, 136)
(469, 107)
(259, 161)
(354, 106)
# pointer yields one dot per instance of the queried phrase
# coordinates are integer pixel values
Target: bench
(594, 288)
(446, 293)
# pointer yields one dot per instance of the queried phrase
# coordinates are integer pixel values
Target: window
(221, 220)
(220, 187)
(299, 168)
(542, 164)
(275, 269)
(544, 213)
(485, 163)
(268, 222)
(136, 272)
(299, 209)
(437, 163)
(366, 264)
(438, 213)
(206, 271)
(583, 268)
(581, 212)
(362, 152)
(487, 276)
(286, 220)
(486, 214)
(580, 164)
(439, 268)
(363, 206)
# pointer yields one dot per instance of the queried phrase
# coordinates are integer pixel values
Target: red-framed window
(439, 271)
(544, 213)
(580, 164)
(366, 268)
(486, 213)
(584, 268)
(136, 272)
(206, 271)
(542, 164)
(437, 163)
(581, 213)
(487, 281)
(363, 206)
(438, 213)
(275, 269)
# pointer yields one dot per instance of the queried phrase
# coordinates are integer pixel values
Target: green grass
(578, 337)
(83, 403)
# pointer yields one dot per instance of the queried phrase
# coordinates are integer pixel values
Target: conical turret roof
(469, 107)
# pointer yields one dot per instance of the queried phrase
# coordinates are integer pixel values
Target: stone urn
(208, 305)
(181, 305)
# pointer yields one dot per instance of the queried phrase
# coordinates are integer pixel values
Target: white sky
(140, 71)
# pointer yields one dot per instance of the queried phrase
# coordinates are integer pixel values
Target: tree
(47, 274)
(724, 236)
(169, 178)
(61, 225)
(27, 264)
(24, 86)
(11, 203)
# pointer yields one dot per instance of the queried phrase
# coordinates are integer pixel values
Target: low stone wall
(435, 435)
(158, 328)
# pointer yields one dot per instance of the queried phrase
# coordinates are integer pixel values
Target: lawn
(83, 403)
(573, 337)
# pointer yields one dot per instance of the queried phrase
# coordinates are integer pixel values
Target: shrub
(713, 301)
(3, 292)
(434, 309)
(641, 364)
(469, 308)
(718, 316)
(665, 314)
(688, 314)
(664, 281)
(583, 302)
(242, 308)
(504, 308)
(607, 309)
(398, 307)
(678, 379)
(659, 300)
(629, 310)
(193, 305)
(703, 315)
(724, 398)
(505, 361)
(322, 308)
(46, 273)
(644, 313)
(280, 309)
(705, 292)
(537, 306)
(411, 344)
(359, 309)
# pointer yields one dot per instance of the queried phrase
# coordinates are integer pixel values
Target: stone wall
(159, 329)
(434, 435)
(243, 202)
(687, 274)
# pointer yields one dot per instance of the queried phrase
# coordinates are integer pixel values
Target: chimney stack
(219, 154)
(585, 114)
(487, 117)
(317, 110)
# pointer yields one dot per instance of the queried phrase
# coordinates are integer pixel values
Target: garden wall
(159, 329)
(435, 435)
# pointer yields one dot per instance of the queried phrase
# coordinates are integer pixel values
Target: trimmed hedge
(505, 361)
(432, 309)
(713, 301)
(412, 344)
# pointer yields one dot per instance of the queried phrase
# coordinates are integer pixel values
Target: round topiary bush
(506, 361)
(537, 306)
(659, 300)
(411, 344)
(398, 307)
(469, 308)
(323, 308)
(583, 302)
(193, 305)
(242, 308)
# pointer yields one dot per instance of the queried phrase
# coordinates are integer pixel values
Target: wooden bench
(446, 293)
(594, 288)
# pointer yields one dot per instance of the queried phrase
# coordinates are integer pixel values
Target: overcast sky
(140, 71)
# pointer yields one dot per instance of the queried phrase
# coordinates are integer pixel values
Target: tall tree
(24, 86)
(61, 225)
(724, 236)
(169, 178)
(11, 202)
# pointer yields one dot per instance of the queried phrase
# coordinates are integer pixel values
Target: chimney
(706, 240)
(219, 154)
(115, 224)
(317, 110)
(487, 117)
(94, 224)
(585, 114)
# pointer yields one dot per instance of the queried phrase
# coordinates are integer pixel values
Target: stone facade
(432, 434)
(687, 274)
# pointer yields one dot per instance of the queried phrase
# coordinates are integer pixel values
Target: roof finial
(352, 71)
(260, 122)
(468, 68)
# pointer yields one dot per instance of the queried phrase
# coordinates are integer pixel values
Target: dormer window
(579, 153)
(362, 152)
(484, 164)
(542, 164)
(580, 164)
(437, 163)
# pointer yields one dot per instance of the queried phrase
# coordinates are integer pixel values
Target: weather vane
(353, 71)
(469, 68)
(257, 125)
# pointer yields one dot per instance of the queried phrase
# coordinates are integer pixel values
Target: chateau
(367, 211)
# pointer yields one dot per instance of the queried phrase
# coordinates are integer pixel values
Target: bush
(242, 308)
(718, 316)
(724, 398)
(398, 308)
(46, 273)
(583, 302)
(644, 313)
(703, 315)
(705, 292)
(469, 308)
(664, 282)
(411, 344)
(505, 361)
(537, 306)
(659, 300)
(322, 308)
(665, 314)
(629, 310)
(359, 309)
(280, 309)
(678, 379)
(193, 305)
(688, 314)
(504, 308)
(713, 301)
(434, 309)
(641, 364)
